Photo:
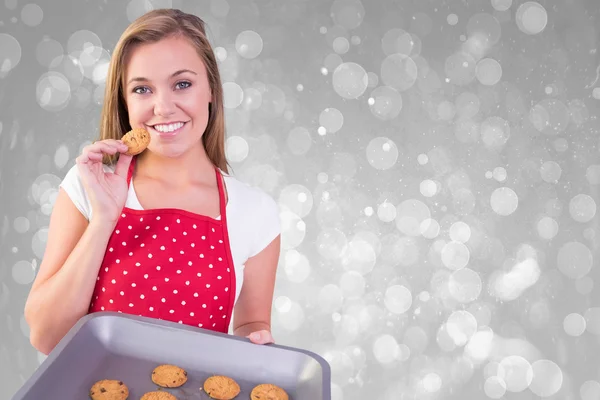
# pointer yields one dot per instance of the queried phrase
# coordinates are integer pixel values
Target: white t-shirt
(252, 216)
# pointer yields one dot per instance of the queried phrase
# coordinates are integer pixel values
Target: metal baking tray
(111, 345)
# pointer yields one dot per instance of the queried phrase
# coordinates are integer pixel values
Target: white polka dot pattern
(169, 264)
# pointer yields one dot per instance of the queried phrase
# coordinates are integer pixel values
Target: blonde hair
(151, 28)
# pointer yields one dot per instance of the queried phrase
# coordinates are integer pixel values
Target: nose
(164, 104)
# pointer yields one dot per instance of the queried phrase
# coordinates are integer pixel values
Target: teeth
(169, 127)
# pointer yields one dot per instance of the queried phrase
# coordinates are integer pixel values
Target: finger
(261, 337)
(122, 167)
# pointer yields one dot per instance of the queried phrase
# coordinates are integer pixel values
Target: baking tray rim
(86, 319)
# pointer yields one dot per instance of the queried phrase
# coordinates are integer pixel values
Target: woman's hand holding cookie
(107, 191)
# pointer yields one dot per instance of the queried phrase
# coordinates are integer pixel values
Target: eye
(183, 85)
(139, 88)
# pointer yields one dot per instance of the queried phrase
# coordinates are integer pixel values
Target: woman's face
(167, 93)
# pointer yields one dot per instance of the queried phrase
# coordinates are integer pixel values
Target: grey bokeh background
(437, 166)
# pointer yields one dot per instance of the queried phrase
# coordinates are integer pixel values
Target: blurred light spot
(348, 14)
(551, 171)
(249, 44)
(61, 157)
(590, 390)
(547, 228)
(341, 45)
(574, 324)
(53, 91)
(330, 298)
(10, 54)
(233, 95)
(21, 224)
(550, 116)
(465, 285)
(293, 318)
(296, 266)
(455, 255)
(398, 299)
(547, 378)
(293, 229)
(331, 119)
(399, 72)
(488, 71)
(486, 28)
(501, 5)
(495, 132)
(592, 174)
(582, 208)
(331, 243)
(397, 41)
(574, 259)
(358, 256)
(460, 68)
(461, 326)
(504, 201)
(236, 148)
(467, 105)
(494, 387)
(385, 103)
(460, 232)
(432, 382)
(500, 174)
(452, 19)
(410, 215)
(592, 320)
(282, 304)
(516, 372)
(382, 153)
(386, 212)
(531, 18)
(296, 198)
(428, 188)
(350, 80)
(23, 272)
(32, 14)
(385, 349)
(429, 228)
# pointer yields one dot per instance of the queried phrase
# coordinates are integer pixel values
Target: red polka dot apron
(169, 264)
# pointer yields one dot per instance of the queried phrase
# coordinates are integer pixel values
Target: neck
(192, 166)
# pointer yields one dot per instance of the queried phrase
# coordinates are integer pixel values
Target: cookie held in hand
(109, 389)
(136, 140)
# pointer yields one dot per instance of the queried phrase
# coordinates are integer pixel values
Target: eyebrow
(174, 74)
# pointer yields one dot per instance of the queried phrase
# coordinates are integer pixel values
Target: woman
(167, 234)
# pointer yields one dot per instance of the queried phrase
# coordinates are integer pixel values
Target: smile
(170, 129)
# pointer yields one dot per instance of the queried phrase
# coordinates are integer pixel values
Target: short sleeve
(73, 186)
(268, 224)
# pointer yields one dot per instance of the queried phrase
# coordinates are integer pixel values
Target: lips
(166, 130)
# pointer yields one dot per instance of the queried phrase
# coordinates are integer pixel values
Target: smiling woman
(204, 251)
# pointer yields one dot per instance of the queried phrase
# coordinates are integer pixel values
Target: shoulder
(252, 197)
(254, 214)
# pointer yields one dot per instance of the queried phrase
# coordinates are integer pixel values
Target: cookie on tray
(221, 387)
(137, 140)
(169, 376)
(109, 389)
(267, 391)
(157, 395)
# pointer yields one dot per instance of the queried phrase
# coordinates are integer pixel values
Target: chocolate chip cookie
(137, 140)
(267, 391)
(169, 376)
(157, 395)
(221, 387)
(109, 389)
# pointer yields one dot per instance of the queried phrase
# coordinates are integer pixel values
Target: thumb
(122, 166)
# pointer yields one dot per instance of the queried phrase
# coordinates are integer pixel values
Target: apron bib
(169, 264)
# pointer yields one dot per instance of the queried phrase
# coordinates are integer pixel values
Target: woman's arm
(61, 292)
(252, 312)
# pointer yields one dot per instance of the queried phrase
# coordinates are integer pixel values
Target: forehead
(155, 61)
